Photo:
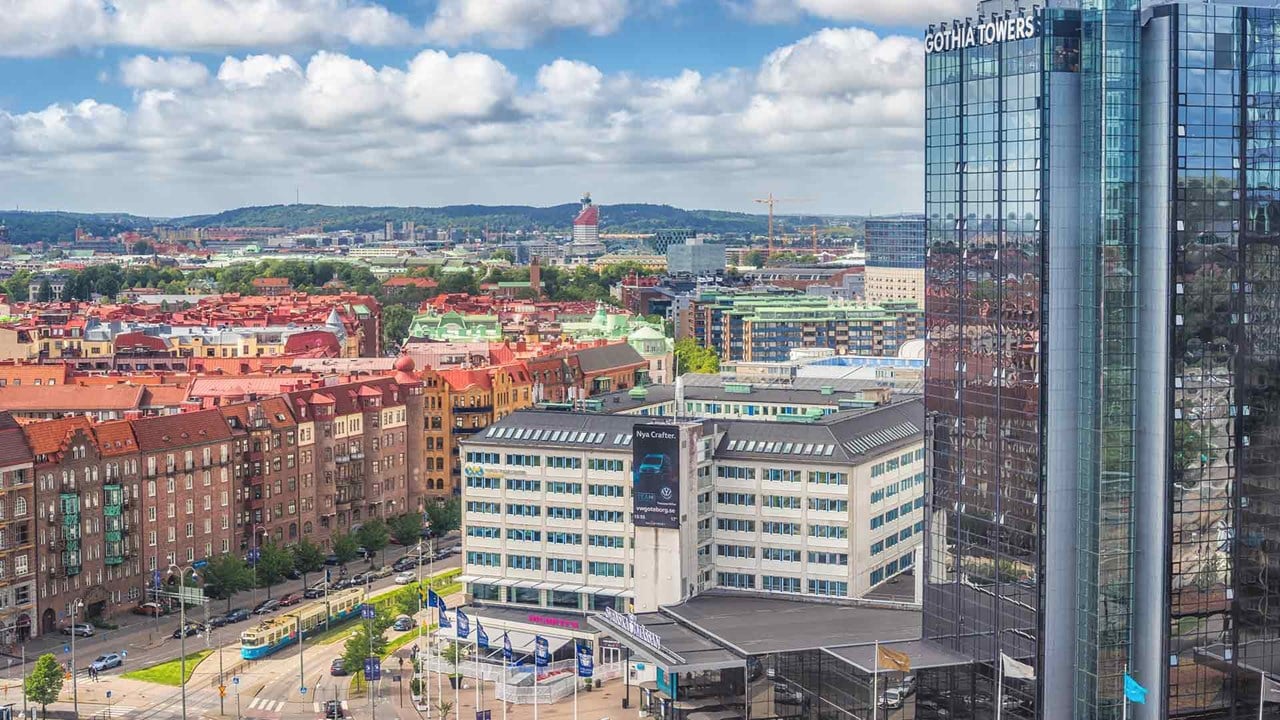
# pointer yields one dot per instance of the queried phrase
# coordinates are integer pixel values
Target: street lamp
(256, 557)
(182, 626)
(75, 690)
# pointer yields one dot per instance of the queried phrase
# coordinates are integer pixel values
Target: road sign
(66, 648)
(303, 689)
(222, 691)
(484, 714)
(155, 578)
(200, 564)
(108, 694)
(235, 680)
(253, 556)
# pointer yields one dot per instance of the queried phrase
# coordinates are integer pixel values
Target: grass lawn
(339, 631)
(170, 672)
(409, 637)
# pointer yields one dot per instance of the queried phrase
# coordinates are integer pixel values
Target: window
(525, 460)
(773, 583)
(732, 498)
(564, 538)
(483, 531)
(829, 531)
(780, 528)
(612, 491)
(742, 581)
(524, 510)
(734, 472)
(877, 547)
(735, 525)
(780, 475)
(563, 565)
(564, 463)
(611, 516)
(826, 477)
(828, 558)
(606, 541)
(735, 551)
(836, 588)
(524, 485)
(480, 482)
(522, 535)
(475, 506)
(604, 465)
(780, 554)
(560, 487)
(829, 505)
(484, 559)
(606, 569)
(564, 513)
(781, 502)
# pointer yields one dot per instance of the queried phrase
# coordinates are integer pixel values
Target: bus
(271, 635)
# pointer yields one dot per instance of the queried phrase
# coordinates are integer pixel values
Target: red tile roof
(50, 437)
(115, 438)
(71, 398)
(182, 430)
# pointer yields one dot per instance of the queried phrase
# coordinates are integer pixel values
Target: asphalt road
(145, 641)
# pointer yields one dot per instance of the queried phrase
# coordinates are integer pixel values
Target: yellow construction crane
(771, 201)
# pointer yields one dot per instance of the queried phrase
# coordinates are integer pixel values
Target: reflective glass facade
(986, 112)
(1173, 355)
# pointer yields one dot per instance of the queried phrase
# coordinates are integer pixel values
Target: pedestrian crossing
(265, 705)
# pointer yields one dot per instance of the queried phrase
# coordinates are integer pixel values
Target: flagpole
(506, 686)
(535, 679)
(1000, 686)
(575, 680)
(477, 651)
(1124, 712)
(1262, 693)
(875, 685)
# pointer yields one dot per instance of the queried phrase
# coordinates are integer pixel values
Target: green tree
(395, 325)
(344, 547)
(502, 254)
(406, 528)
(444, 707)
(18, 287)
(407, 600)
(755, 258)
(142, 247)
(692, 357)
(455, 654)
(45, 293)
(368, 639)
(274, 563)
(44, 683)
(373, 535)
(225, 576)
(307, 558)
(446, 516)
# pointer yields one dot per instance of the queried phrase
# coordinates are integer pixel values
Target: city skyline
(146, 111)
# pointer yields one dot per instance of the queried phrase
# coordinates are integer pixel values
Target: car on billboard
(653, 465)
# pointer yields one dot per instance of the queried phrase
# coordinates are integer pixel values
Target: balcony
(342, 458)
(255, 503)
(255, 456)
(357, 455)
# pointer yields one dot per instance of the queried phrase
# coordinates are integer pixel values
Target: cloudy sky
(167, 107)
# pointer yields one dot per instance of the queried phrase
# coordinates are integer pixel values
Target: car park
(106, 662)
(266, 607)
(188, 630)
(402, 623)
(336, 669)
(237, 615)
(290, 599)
(405, 578)
(79, 630)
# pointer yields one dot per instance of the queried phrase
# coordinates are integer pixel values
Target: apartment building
(189, 489)
(18, 612)
(271, 499)
(829, 509)
(86, 492)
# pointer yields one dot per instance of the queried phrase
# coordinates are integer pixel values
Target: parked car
(402, 623)
(405, 578)
(191, 628)
(382, 572)
(336, 669)
(361, 578)
(290, 599)
(784, 694)
(333, 710)
(150, 609)
(405, 563)
(340, 584)
(218, 621)
(106, 662)
(79, 630)
(316, 590)
(267, 606)
(293, 574)
(237, 615)
(893, 698)
(330, 559)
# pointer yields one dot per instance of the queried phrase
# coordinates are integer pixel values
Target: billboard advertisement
(655, 471)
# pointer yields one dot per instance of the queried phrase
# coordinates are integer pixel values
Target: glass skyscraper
(1103, 375)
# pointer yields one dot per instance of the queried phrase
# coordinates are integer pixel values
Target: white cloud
(517, 23)
(895, 13)
(176, 72)
(47, 27)
(840, 107)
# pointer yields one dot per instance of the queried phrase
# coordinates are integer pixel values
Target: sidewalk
(603, 703)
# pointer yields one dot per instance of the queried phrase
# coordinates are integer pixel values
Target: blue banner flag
(482, 637)
(506, 647)
(541, 653)
(586, 661)
(434, 599)
(464, 624)
(1134, 692)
